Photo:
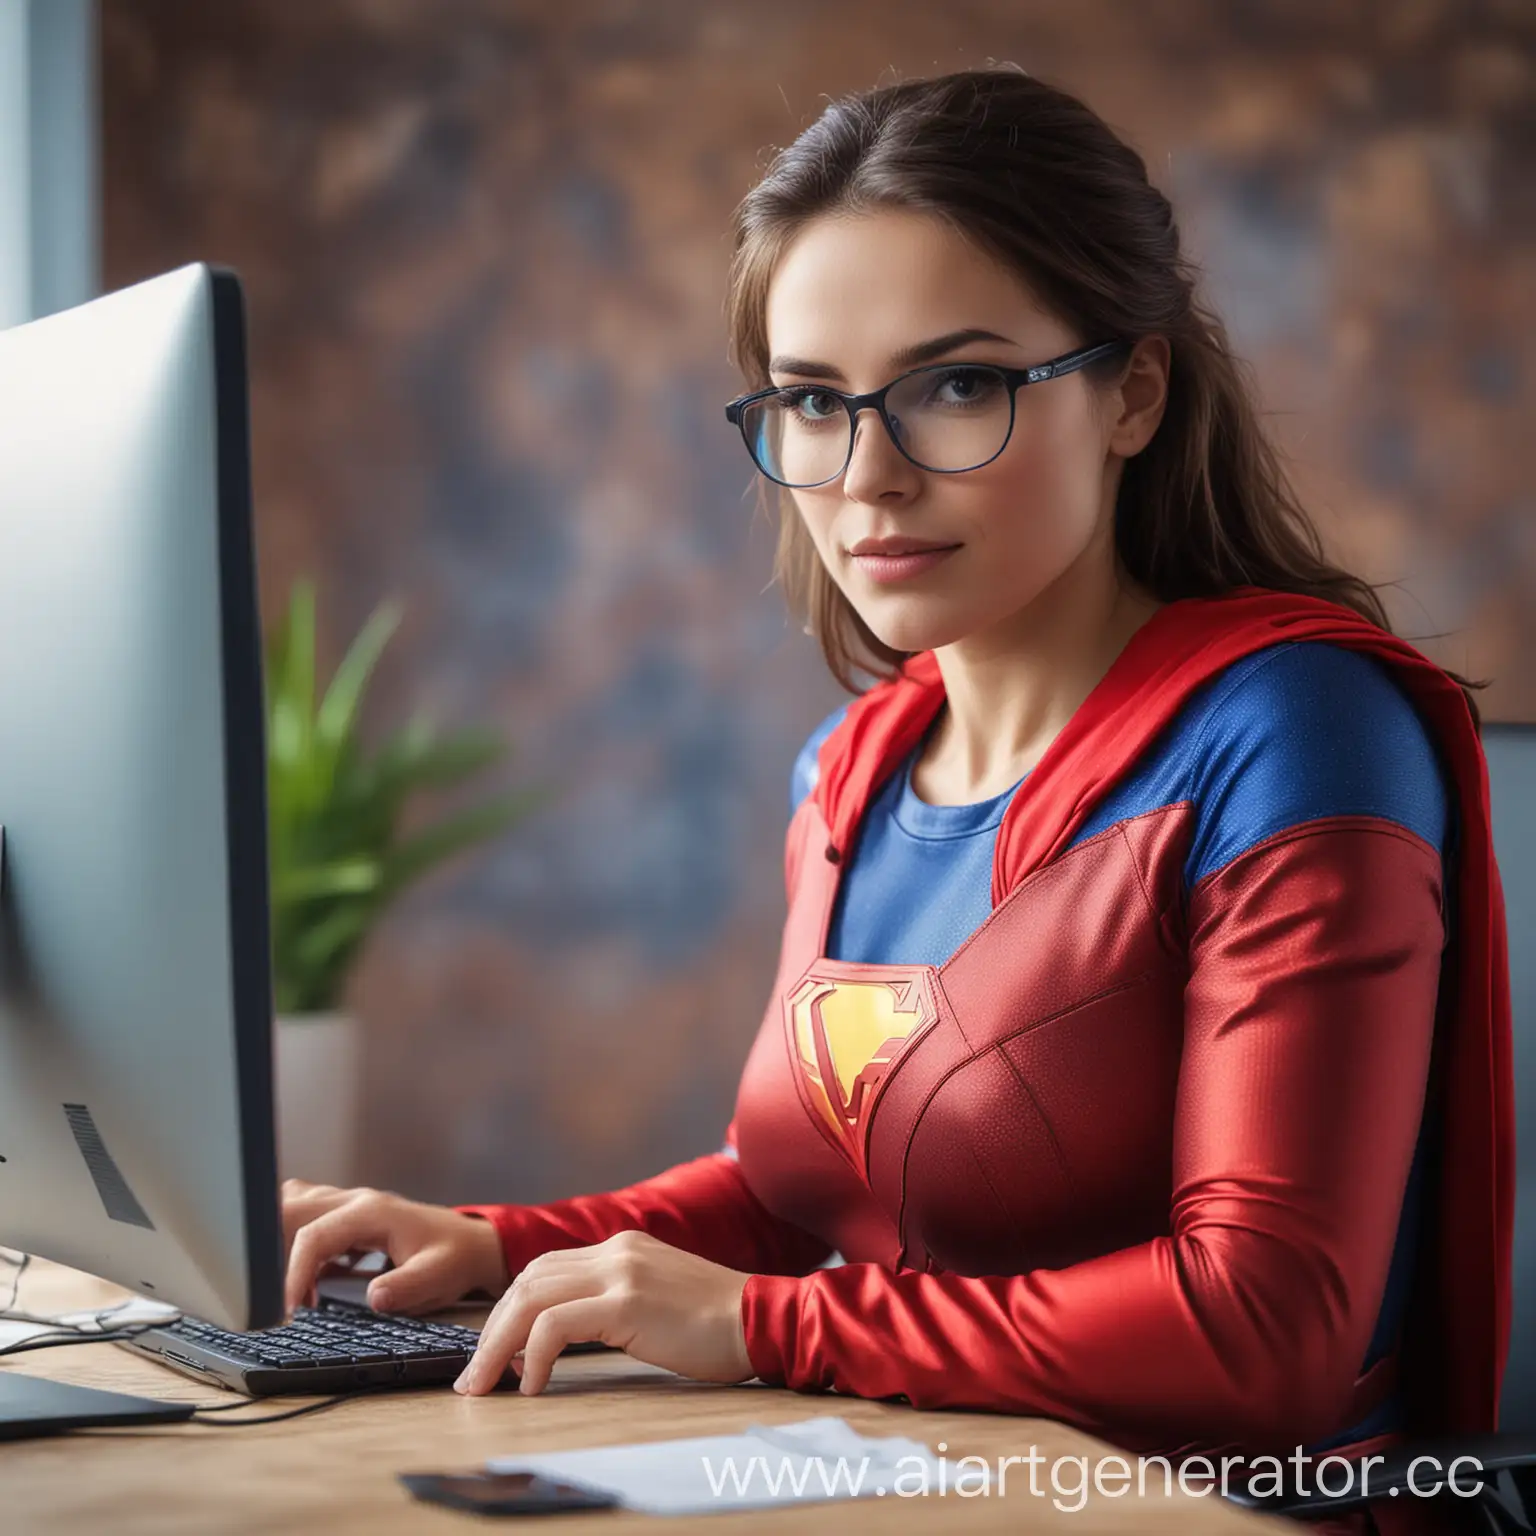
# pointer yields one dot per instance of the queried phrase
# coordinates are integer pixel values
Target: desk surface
(334, 1470)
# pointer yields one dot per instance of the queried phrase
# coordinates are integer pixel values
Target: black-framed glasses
(945, 417)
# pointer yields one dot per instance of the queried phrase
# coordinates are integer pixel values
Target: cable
(199, 1416)
(100, 1330)
(60, 1331)
(274, 1418)
(63, 1333)
(79, 1333)
(69, 1335)
(21, 1268)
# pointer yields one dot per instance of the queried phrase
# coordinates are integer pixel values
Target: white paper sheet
(767, 1466)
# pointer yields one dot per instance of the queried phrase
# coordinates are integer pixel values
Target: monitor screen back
(136, 1137)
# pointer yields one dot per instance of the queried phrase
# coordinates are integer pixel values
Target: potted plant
(340, 854)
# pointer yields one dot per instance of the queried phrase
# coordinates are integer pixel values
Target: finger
(499, 1310)
(544, 1266)
(357, 1223)
(423, 1283)
(554, 1328)
(302, 1202)
(506, 1330)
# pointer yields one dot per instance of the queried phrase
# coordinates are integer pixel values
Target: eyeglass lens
(945, 419)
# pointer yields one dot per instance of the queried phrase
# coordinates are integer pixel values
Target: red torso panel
(1010, 1110)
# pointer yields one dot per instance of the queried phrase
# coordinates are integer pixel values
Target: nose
(878, 470)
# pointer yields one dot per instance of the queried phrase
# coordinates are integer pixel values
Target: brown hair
(1030, 174)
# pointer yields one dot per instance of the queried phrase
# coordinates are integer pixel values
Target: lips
(890, 561)
(898, 546)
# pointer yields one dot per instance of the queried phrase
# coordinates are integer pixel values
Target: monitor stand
(33, 1406)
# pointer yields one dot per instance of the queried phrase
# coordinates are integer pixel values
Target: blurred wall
(484, 244)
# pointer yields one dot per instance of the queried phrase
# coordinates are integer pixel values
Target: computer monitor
(136, 1124)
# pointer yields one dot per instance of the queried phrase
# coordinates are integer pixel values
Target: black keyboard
(334, 1347)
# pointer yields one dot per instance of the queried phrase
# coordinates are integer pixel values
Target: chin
(912, 625)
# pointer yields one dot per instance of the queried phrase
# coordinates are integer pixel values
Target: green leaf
(333, 935)
(355, 877)
(338, 712)
(335, 811)
(296, 673)
(417, 761)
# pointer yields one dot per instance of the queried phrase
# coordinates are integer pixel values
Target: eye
(810, 404)
(965, 386)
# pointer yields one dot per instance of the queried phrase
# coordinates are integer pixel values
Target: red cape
(1179, 649)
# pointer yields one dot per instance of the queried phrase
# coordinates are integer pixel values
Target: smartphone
(503, 1493)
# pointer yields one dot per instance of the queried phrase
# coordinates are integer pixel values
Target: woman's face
(851, 300)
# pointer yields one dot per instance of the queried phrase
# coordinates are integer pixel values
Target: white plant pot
(318, 1058)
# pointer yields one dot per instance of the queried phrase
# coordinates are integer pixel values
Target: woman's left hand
(634, 1292)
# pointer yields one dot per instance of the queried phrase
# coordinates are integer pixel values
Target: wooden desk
(334, 1471)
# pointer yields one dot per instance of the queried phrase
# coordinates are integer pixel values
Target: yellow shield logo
(847, 1032)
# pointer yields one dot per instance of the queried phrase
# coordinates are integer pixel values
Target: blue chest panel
(1286, 735)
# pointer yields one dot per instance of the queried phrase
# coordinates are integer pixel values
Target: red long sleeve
(703, 1206)
(1309, 1012)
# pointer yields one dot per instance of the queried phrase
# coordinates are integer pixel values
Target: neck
(1009, 691)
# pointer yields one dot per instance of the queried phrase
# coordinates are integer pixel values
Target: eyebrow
(908, 357)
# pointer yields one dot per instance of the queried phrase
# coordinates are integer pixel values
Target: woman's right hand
(439, 1255)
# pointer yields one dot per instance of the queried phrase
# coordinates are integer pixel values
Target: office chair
(1511, 754)
(1506, 1504)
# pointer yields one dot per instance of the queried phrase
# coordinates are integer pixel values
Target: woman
(1141, 915)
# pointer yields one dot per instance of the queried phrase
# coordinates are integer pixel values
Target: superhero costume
(1119, 1159)
(1280, 738)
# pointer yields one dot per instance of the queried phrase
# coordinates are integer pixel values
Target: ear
(1137, 402)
